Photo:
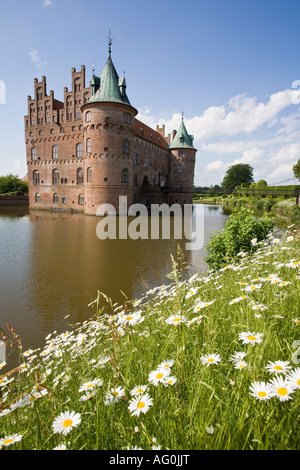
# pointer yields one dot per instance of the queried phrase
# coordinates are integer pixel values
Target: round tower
(181, 168)
(108, 139)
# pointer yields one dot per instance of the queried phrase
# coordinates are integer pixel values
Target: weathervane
(110, 39)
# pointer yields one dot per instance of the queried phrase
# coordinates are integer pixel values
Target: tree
(12, 184)
(261, 184)
(296, 169)
(238, 174)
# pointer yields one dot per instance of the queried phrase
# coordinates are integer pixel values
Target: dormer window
(182, 139)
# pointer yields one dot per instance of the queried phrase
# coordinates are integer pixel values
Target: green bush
(240, 229)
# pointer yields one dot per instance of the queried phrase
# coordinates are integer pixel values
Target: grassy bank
(206, 363)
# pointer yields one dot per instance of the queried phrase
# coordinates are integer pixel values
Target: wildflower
(248, 337)
(294, 377)
(87, 397)
(260, 390)
(166, 364)
(238, 356)
(210, 430)
(278, 367)
(114, 395)
(130, 319)
(293, 264)
(252, 288)
(140, 389)
(2, 364)
(210, 359)
(8, 440)
(140, 404)
(290, 238)
(295, 320)
(176, 319)
(60, 447)
(171, 380)
(191, 292)
(158, 376)
(281, 388)
(240, 365)
(65, 422)
(90, 385)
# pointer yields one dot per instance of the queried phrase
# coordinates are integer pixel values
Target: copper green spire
(109, 87)
(182, 139)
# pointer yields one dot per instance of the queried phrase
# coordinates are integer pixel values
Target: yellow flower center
(129, 318)
(210, 359)
(89, 385)
(67, 423)
(140, 390)
(8, 441)
(115, 393)
(278, 367)
(252, 338)
(282, 391)
(262, 394)
(176, 319)
(159, 376)
(298, 382)
(141, 405)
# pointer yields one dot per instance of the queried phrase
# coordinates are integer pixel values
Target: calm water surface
(53, 264)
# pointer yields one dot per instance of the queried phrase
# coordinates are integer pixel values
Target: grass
(208, 405)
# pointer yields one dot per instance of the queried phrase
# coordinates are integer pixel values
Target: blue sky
(228, 64)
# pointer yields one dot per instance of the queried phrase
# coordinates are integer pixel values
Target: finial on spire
(110, 39)
(93, 69)
(182, 115)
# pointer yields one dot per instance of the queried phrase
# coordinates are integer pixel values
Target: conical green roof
(182, 139)
(111, 88)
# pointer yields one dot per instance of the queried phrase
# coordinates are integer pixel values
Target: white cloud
(35, 59)
(215, 165)
(47, 3)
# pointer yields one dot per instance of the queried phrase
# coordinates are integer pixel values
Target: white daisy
(166, 364)
(281, 388)
(158, 376)
(91, 384)
(140, 404)
(11, 439)
(294, 377)
(260, 390)
(65, 422)
(209, 359)
(176, 319)
(238, 356)
(114, 395)
(240, 365)
(278, 367)
(139, 390)
(248, 337)
(171, 380)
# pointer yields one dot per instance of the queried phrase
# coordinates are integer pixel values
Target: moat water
(53, 264)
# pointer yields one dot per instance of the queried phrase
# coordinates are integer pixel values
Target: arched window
(55, 176)
(80, 199)
(125, 175)
(88, 116)
(64, 200)
(125, 146)
(33, 154)
(89, 175)
(79, 150)
(36, 177)
(55, 198)
(37, 197)
(80, 176)
(88, 145)
(54, 152)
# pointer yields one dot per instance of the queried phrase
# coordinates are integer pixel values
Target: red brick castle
(91, 149)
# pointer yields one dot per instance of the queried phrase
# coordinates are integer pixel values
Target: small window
(36, 177)
(79, 150)
(135, 181)
(62, 131)
(135, 159)
(89, 175)
(37, 197)
(182, 139)
(55, 198)
(88, 145)
(125, 146)
(125, 175)
(180, 153)
(54, 152)
(55, 177)
(179, 185)
(88, 116)
(80, 199)
(127, 118)
(33, 154)
(146, 163)
(64, 200)
(179, 169)
(78, 115)
(80, 176)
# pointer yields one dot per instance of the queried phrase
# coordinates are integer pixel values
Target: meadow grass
(205, 338)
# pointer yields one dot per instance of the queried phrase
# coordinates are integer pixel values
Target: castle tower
(109, 120)
(181, 166)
